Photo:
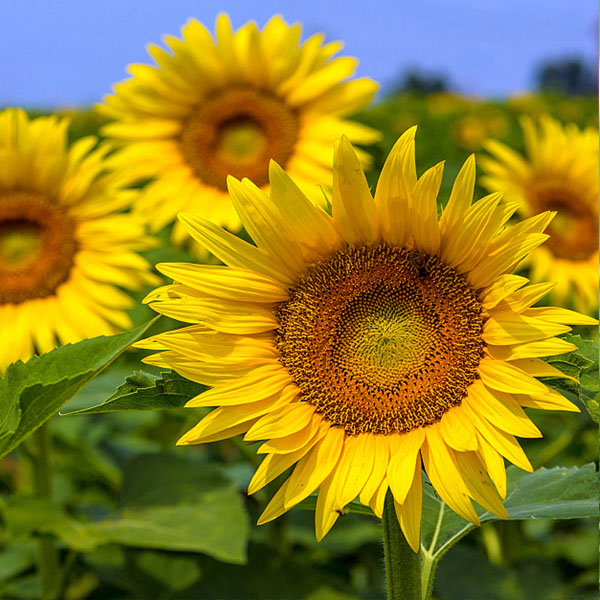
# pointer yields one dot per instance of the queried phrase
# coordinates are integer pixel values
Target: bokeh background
(463, 71)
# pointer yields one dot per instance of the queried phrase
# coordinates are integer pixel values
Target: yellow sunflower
(559, 173)
(363, 345)
(226, 106)
(64, 243)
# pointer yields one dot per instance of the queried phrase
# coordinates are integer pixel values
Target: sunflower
(364, 345)
(64, 245)
(559, 173)
(226, 106)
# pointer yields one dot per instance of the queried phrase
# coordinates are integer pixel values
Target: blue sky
(70, 52)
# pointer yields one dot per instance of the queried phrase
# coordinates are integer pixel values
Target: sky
(56, 53)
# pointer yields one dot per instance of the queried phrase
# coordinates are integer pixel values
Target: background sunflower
(215, 106)
(66, 247)
(558, 172)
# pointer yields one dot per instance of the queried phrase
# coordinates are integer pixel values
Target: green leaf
(25, 515)
(168, 503)
(557, 493)
(173, 572)
(582, 364)
(143, 391)
(44, 383)
(16, 558)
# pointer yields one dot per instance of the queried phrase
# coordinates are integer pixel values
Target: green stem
(48, 553)
(429, 558)
(402, 565)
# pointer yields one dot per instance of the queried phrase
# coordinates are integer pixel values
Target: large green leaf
(35, 390)
(557, 493)
(582, 364)
(168, 503)
(144, 391)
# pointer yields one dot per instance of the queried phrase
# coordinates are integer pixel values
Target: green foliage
(144, 391)
(582, 364)
(167, 503)
(557, 493)
(31, 392)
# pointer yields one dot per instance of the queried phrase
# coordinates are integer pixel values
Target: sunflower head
(559, 172)
(226, 104)
(64, 242)
(366, 345)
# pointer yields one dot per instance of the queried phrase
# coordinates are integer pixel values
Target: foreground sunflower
(360, 344)
(64, 246)
(560, 173)
(215, 107)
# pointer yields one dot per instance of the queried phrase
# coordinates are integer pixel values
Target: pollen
(237, 132)
(37, 246)
(381, 339)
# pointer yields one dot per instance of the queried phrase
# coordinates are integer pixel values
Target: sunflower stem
(48, 553)
(402, 565)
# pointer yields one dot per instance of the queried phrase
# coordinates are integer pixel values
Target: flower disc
(381, 340)
(37, 246)
(574, 230)
(237, 133)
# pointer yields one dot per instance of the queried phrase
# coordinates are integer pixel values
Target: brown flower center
(574, 230)
(380, 339)
(236, 133)
(37, 246)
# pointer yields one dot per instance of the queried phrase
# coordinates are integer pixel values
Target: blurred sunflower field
(99, 503)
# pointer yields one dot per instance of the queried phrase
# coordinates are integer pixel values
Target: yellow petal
(404, 451)
(325, 517)
(409, 513)
(539, 368)
(458, 431)
(265, 226)
(380, 464)
(273, 465)
(314, 467)
(425, 227)
(233, 251)
(494, 464)
(292, 442)
(258, 384)
(311, 226)
(507, 377)
(395, 187)
(501, 410)
(550, 347)
(354, 209)
(445, 476)
(227, 282)
(555, 314)
(502, 442)
(355, 467)
(480, 487)
(550, 400)
(503, 286)
(460, 200)
(286, 421)
(511, 328)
